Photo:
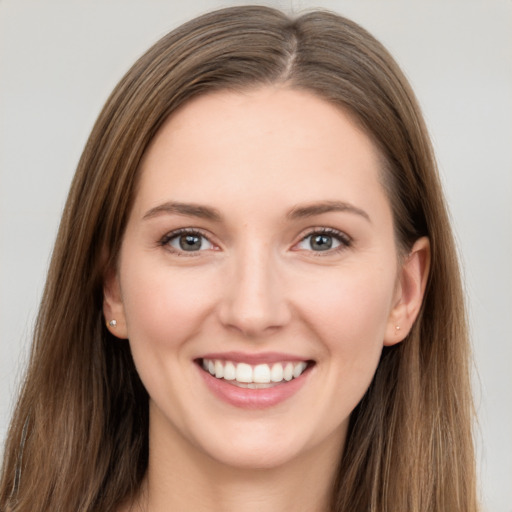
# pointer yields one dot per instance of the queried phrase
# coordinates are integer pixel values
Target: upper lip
(254, 358)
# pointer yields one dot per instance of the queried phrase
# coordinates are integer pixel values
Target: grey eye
(190, 242)
(319, 242)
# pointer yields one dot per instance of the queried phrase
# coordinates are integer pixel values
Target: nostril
(262, 319)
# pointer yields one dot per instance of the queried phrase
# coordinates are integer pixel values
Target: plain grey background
(59, 61)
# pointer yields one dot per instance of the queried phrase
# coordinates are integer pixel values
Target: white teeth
(298, 369)
(276, 374)
(229, 371)
(254, 377)
(288, 371)
(243, 372)
(219, 370)
(261, 374)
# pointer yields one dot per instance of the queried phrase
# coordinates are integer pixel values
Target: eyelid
(344, 240)
(164, 241)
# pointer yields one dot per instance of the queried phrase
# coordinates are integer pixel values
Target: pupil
(321, 242)
(190, 242)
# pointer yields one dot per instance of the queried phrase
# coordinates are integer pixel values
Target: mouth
(254, 376)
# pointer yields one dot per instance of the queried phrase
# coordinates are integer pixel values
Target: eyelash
(166, 239)
(344, 240)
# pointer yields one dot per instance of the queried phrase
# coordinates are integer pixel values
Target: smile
(254, 381)
(260, 376)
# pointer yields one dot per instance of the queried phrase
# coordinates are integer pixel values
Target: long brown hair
(78, 438)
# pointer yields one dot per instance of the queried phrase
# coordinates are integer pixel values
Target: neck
(181, 477)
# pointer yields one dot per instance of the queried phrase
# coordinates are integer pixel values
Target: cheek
(350, 314)
(353, 322)
(165, 311)
(164, 306)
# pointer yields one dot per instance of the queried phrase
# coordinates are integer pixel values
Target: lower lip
(253, 398)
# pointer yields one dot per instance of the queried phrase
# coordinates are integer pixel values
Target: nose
(254, 300)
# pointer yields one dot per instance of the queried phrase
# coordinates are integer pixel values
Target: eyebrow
(311, 210)
(208, 213)
(189, 209)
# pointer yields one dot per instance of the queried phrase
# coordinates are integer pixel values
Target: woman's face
(260, 247)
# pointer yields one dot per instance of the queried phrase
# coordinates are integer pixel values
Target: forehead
(261, 144)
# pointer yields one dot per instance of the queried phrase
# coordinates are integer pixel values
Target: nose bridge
(254, 300)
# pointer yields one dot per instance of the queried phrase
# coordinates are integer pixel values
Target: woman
(258, 212)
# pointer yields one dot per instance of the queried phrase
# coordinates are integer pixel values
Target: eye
(186, 240)
(324, 240)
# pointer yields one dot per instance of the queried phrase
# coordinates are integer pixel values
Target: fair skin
(286, 254)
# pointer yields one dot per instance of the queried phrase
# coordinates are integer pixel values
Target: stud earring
(397, 327)
(113, 323)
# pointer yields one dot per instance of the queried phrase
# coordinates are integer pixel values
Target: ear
(113, 308)
(411, 284)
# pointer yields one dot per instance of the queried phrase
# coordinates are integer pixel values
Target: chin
(270, 446)
(256, 457)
